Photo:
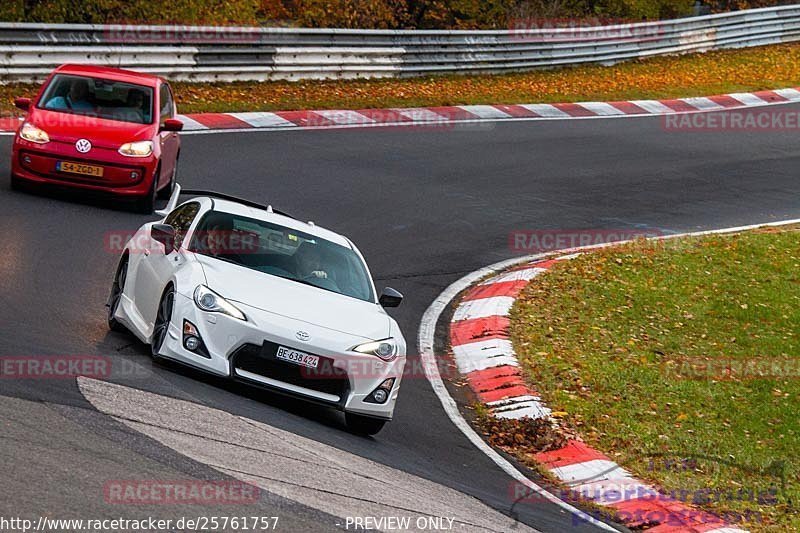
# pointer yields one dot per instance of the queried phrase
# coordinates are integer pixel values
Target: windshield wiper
(305, 282)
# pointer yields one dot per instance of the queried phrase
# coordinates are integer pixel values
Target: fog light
(26, 159)
(380, 395)
(191, 343)
(192, 340)
(134, 175)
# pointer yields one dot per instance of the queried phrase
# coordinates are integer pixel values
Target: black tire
(166, 192)
(116, 295)
(163, 319)
(363, 425)
(147, 203)
(16, 183)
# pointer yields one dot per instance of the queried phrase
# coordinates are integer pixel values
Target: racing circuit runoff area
(425, 206)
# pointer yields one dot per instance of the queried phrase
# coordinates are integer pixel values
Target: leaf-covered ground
(769, 67)
(645, 349)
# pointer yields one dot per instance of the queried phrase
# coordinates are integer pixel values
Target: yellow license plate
(79, 168)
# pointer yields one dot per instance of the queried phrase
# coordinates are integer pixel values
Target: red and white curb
(483, 353)
(480, 335)
(443, 115)
(446, 115)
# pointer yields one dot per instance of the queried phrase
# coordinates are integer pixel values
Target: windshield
(95, 97)
(283, 252)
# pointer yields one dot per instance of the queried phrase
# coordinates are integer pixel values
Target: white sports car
(243, 291)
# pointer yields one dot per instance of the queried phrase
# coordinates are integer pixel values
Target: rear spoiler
(177, 192)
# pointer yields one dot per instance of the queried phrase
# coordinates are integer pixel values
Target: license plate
(298, 358)
(79, 168)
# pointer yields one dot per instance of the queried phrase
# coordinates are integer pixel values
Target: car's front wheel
(363, 425)
(166, 192)
(163, 319)
(147, 203)
(16, 183)
(116, 296)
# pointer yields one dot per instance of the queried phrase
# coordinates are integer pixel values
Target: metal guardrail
(29, 51)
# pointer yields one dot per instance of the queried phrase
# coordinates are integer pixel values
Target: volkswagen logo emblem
(83, 146)
(303, 335)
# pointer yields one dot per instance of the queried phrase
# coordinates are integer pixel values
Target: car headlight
(137, 149)
(386, 349)
(210, 301)
(31, 133)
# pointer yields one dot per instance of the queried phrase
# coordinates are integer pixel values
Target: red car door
(169, 140)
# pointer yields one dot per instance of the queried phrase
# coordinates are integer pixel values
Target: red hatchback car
(100, 129)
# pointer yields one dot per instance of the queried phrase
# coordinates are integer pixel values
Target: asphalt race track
(425, 207)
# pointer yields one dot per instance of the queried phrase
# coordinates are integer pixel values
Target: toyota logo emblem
(303, 335)
(83, 146)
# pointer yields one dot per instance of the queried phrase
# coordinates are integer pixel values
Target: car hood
(65, 127)
(296, 300)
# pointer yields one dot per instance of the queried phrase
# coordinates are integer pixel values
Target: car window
(181, 219)
(284, 252)
(95, 97)
(167, 104)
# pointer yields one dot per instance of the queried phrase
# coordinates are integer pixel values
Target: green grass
(602, 337)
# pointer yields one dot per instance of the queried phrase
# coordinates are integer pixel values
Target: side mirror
(171, 124)
(390, 298)
(23, 103)
(165, 234)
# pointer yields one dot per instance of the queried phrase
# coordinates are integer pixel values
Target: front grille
(114, 174)
(261, 360)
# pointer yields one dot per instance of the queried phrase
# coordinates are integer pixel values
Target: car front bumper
(36, 164)
(245, 351)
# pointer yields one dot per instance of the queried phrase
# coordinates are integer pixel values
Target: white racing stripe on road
(653, 106)
(420, 114)
(484, 307)
(595, 470)
(519, 407)
(789, 94)
(601, 108)
(344, 116)
(484, 354)
(526, 274)
(485, 111)
(703, 104)
(546, 110)
(303, 470)
(264, 120)
(748, 99)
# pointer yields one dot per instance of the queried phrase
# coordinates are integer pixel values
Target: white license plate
(298, 358)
